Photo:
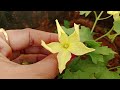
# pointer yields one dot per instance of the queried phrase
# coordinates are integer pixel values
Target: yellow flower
(114, 13)
(66, 46)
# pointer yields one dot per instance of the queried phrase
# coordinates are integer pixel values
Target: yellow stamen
(66, 45)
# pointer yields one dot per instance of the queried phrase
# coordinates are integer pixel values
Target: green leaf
(85, 12)
(89, 66)
(93, 44)
(66, 23)
(109, 75)
(82, 75)
(67, 74)
(108, 57)
(69, 31)
(104, 50)
(76, 75)
(85, 34)
(116, 25)
(74, 65)
(96, 57)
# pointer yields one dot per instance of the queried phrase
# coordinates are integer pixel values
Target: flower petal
(63, 57)
(63, 37)
(78, 48)
(59, 28)
(75, 35)
(53, 47)
(76, 29)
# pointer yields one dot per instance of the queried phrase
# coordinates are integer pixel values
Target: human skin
(25, 45)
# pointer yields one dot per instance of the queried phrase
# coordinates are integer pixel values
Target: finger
(46, 68)
(6, 62)
(14, 55)
(5, 49)
(30, 58)
(29, 50)
(29, 37)
(36, 50)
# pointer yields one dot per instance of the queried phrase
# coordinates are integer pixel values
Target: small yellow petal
(77, 29)
(63, 57)
(53, 47)
(63, 37)
(59, 28)
(78, 48)
(74, 37)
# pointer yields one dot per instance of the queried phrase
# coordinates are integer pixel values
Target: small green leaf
(85, 34)
(74, 65)
(108, 57)
(82, 75)
(85, 12)
(89, 66)
(104, 50)
(69, 31)
(109, 75)
(93, 44)
(116, 25)
(96, 57)
(76, 75)
(66, 23)
(67, 74)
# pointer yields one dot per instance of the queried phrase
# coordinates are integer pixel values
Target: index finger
(20, 39)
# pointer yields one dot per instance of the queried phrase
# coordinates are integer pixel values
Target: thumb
(5, 49)
(46, 68)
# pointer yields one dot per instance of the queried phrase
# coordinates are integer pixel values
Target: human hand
(24, 45)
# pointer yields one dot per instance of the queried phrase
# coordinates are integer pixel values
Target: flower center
(65, 45)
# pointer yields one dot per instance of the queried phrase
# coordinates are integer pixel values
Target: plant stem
(114, 67)
(105, 17)
(105, 34)
(96, 21)
(95, 14)
(114, 37)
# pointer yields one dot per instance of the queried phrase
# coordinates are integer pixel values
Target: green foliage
(106, 74)
(104, 50)
(66, 23)
(94, 67)
(69, 31)
(76, 75)
(93, 44)
(85, 34)
(86, 69)
(117, 26)
(96, 57)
